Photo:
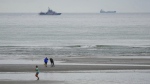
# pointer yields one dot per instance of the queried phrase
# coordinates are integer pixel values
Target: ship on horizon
(49, 12)
(102, 11)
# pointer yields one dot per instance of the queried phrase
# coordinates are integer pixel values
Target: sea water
(87, 34)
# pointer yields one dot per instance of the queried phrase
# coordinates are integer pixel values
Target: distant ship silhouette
(102, 11)
(49, 12)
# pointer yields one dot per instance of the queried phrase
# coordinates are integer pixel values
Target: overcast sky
(73, 6)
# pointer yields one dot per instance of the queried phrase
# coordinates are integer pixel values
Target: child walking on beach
(37, 72)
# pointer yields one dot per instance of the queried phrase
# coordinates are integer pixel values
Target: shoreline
(72, 70)
(78, 63)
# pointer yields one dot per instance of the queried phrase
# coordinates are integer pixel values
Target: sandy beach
(88, 63)
(31, 82)
(77, 65)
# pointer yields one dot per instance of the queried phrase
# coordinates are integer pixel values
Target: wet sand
(32, 82)
(88, 63)
(31, 68)
(77, 64)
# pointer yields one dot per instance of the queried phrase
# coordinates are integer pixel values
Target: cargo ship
(102, 11)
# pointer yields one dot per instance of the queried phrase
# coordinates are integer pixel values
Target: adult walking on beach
(37, 72)
(52, 62)
(45, 61)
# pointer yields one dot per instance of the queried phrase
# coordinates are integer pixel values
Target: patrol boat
(49, 12)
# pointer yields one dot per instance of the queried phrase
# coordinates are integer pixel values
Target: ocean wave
(73, 50)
